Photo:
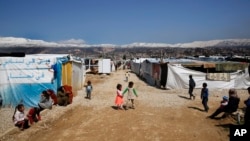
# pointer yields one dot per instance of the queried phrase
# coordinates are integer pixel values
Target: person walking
(204, 96)
(119, 97)
(127, 76)
(131, 93)
(89, 89)
(191, 87)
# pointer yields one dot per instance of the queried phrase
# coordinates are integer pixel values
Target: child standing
(119, 97)
(89, 89)
(127, 76)
(204, 96)
(19, 118)
(131, 94)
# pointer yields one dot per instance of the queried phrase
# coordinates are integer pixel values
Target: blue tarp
(24, 79)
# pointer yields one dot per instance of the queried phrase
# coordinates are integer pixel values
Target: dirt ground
(159, 115)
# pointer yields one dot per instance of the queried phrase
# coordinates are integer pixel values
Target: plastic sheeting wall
(67, 74)
(73, 74)
(104, 66)
(135, 67)
(24, 78)
(178, 77)
(78, 76)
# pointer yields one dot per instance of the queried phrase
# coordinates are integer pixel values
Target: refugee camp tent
(178, 77)
(173, 75)
(104, 66)
(73, 74)
(151, 71)
(99, 65)
(136, 66)
(24, 78)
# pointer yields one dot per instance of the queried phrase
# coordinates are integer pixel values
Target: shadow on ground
(196, 108)
(225, 126)
(184, 97)
(114, 107)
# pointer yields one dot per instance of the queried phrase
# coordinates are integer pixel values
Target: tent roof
(218, 65)
(184, 62)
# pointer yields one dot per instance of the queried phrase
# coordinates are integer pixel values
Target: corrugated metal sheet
(67, 74)
(73, 75)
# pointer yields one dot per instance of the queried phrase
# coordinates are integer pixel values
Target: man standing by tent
(191, 87)
(1, 100)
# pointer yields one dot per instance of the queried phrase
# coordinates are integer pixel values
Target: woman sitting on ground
(231, 107)
(45, 101)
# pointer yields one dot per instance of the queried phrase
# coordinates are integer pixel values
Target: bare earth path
(160, 115)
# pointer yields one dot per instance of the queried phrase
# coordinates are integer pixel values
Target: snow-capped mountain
(23, 42)
(200, 44)
(217, 43)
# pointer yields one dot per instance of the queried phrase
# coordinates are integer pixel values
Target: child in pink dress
(119, 97)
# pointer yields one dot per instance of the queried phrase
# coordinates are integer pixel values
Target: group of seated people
(48, 99)
(230, 104)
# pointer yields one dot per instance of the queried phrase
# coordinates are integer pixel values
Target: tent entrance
(164, 74)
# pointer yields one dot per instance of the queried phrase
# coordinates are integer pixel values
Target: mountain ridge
(214, 47)
(24, 42)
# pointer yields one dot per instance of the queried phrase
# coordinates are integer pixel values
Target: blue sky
(125, 21)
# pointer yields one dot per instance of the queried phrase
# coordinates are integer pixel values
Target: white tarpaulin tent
(104, 66)
(24, 78)
(136, 65)
(178, 77)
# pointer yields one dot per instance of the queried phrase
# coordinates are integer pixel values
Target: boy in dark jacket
(191, 87)
(204, 96)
